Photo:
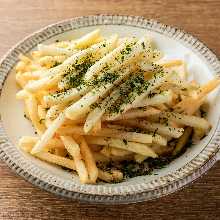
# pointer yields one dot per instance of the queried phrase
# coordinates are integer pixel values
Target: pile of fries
(95, 100)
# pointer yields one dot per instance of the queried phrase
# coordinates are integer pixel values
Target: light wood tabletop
(20, 200)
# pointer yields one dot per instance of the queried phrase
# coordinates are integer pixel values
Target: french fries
(98, 103)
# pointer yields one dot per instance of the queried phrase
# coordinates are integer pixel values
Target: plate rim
(168, 183)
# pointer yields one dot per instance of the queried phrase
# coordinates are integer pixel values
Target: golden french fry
(108, 132)
(123, 144)
(182, 140)
(115, 175)
(74, 150)
(55, 159)
(89, 159)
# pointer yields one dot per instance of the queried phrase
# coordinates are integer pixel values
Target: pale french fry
(41, 112)
(27, 142)
(156, 138)
(89, 159)
(50, 61)
(119, 152)
(155, 127)
(108, 132)
(136, 113)
(55, 159)
(54, 111)
(125, 145)
(97, 127)
(50, 50)
(160, 150)
(115, 175)
(21, 66)
(65, 97)
(62, 44)
(20, 80)
(182, 140)
(171, 63)
(192, 121)
(74, 150)
(88, 39)
(164, 97)
(22, 94)
(32, 109)
(48, 134)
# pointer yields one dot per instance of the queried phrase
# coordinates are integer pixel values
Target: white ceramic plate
(203, 65)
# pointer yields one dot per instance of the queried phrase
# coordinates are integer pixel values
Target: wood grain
(19, 199)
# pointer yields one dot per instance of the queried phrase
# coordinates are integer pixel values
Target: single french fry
(50, 61)
(182, 140)
(172, 63)
(51, 50)
(20, 80)
(136, 113)
(67, 96)
(88, 39)
(32, 109)
(21, 66)
(55, 159)
(115, 175)
(155, 127)
(192, 121)
(108, 132)
(97, 127)
(54, 111)
(22, 94)
(89, 159)
(74, 150)
(119, 152)
(156, 138)
(125, 145)
(41, 112)
(164, 97)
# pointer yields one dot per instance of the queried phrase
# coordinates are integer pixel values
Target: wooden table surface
(20, 200)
